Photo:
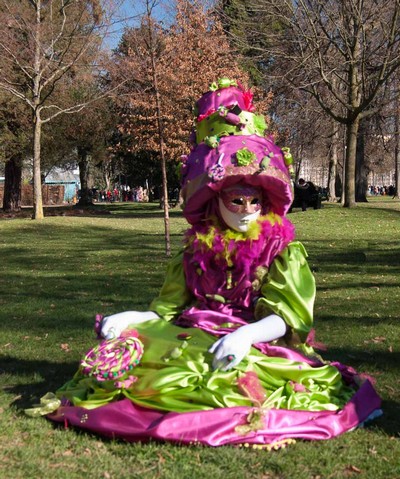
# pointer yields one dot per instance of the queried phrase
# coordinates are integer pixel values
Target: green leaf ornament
(211, 141)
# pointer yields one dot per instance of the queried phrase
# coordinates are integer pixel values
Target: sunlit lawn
(55, 275)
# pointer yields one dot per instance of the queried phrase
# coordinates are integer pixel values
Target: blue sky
(127, 15)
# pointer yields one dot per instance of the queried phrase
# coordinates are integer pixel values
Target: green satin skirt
(175, 374)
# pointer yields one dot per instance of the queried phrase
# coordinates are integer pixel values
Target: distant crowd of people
(122, 193)
(382, 190)
(306, 194)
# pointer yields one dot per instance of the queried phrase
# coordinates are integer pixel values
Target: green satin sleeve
(289, 290)
(174, 295)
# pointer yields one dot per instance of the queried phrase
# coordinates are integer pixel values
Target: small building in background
(60, 187)
(67, 178)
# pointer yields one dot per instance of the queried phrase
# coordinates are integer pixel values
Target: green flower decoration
(244, 157)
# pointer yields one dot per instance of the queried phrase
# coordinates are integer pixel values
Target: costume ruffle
(181, 399)
(176, 378)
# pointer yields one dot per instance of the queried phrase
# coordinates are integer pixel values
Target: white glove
(232, 348)
(112, 326)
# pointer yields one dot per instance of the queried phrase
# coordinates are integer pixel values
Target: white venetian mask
(240, 206)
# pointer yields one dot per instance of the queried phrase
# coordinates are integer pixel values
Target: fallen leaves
(352, 468)
(376, 340)
(379, 339)
(392, 391)
(36, 338)
(373, 450)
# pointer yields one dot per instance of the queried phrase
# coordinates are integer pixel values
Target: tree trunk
(362, 171)
(333, 160)
(160, 136)
(397, 150)
(12, 185)
(353, 122)
(299, 162)
(107, 173)
(37, 177)
(350, 166)
(85, 198)
(37, 122)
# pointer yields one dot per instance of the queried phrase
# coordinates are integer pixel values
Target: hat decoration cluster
(229, 142)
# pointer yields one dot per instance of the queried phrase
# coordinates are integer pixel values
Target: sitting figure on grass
(222, 355)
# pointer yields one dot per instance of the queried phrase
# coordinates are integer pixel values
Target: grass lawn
(55, 275)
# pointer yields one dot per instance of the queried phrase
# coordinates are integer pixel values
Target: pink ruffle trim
(217, 427)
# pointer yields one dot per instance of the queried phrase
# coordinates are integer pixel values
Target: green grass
(56, 274)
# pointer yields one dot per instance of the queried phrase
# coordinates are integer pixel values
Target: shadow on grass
(368, 257)
(93, 239)
(382, 361)
(54, 376)
(141, 211)
(103, 210)
(386, 211)
(387, 422)
(125, 210)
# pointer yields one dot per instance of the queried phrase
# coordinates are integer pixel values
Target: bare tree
(342, 53)
(42, 44)
(391, 133)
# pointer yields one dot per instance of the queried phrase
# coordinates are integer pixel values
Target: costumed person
(222, 356)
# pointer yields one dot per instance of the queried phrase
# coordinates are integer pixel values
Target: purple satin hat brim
(198, 188)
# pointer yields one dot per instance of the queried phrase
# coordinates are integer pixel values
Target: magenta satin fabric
(216, 427)
(228, 97)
